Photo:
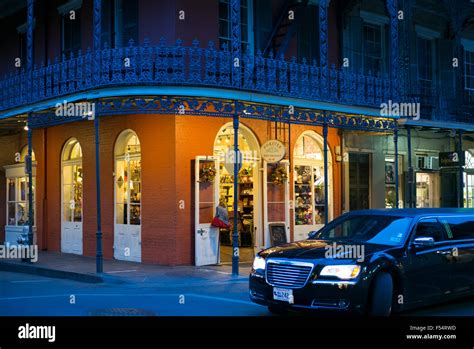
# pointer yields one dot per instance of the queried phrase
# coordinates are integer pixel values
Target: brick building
(168, 80)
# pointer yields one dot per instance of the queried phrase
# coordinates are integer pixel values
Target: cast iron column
(325, 145)
(460, 171)
(30, 183)
(410, 169)
(235, 232)
(392, 6)
(395, 141)
(235, 42)
(323, 44)
(97, 32)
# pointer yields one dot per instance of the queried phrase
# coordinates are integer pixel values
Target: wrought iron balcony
(176, 65)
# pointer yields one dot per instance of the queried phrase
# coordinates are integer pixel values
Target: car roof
(414, 212)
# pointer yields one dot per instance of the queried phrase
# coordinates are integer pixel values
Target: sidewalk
(82, 268)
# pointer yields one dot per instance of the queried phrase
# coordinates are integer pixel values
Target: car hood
(319, 249)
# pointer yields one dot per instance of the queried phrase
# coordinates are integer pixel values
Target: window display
(128, 188)
(390, 182)
(309, 195)
(17, 201)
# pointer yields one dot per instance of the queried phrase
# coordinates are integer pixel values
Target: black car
(372, 262)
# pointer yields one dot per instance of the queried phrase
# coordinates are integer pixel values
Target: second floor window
(373, 48)
(225, 24)
(71, 33)
(469, 70)
(119, 22)
(308, 34)
(425, 64)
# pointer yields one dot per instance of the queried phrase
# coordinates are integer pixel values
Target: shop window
(309, 182)
(72, 181)
(427, 189)
(128, 186)
(468, 180)
(390, 182)
(17, 193)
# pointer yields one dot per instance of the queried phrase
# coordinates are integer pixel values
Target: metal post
(325, 138)
(235, 42)
(97, 34)
(460, 171)
(29, 35)
(235, 233)
(392, 7)
(395, 141)
(410, 169)
(323, 44)
(99, 256)
(30, 185)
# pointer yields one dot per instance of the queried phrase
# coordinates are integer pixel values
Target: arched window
(72, 181)
(128, 179)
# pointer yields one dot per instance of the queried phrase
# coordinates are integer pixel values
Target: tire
(382, 295)
(277, 310)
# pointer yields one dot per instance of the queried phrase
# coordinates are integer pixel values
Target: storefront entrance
(71, 197)
(128, 190)
(249, 204)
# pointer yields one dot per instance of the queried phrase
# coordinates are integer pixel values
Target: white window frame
(382, 22)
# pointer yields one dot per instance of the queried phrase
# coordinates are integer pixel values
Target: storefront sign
(273, 151)
(452, 158)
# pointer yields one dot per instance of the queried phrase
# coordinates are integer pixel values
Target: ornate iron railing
(164, 65)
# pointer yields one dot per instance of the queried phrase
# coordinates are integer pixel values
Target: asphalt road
(30, 295)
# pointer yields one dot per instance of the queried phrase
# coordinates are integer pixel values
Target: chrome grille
(288, 274)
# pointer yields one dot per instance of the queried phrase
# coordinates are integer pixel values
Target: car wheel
(277, 310)
(382, 295)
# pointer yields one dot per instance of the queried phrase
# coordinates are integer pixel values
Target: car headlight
(259, 263)
(341, 271)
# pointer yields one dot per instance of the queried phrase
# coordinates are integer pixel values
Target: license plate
(282, 294)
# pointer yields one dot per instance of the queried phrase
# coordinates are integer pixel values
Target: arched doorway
(309, 200)
(128, 192)
(249, 212)
(71, 197)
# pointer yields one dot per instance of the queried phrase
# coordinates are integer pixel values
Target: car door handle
(444, 253)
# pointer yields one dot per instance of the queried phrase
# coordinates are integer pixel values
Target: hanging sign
(453, 158)
(273, 151)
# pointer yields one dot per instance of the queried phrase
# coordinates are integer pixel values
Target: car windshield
(373, 229)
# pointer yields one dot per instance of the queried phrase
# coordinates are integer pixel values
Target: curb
(52, 273)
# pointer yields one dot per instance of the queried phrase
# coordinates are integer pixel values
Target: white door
(277, 202)
(127, 229)
(206, 199)
(71, 222)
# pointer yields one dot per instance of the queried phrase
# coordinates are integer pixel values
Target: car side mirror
(423, 241)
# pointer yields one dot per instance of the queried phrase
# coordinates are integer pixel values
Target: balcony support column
(237, 163)
(392, 6)
(29, 172)
(29, 34)
(460, 171)
(236, 42)
(326, 178)
(397, 184)
(323, 45)
(97, 31)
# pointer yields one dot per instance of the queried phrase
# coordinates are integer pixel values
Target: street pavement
(31, 295)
